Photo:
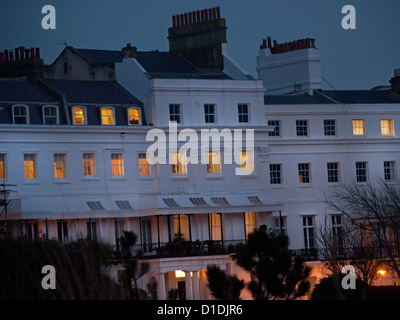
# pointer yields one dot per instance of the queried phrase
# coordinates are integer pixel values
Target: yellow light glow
(179, 274)
(381, 272)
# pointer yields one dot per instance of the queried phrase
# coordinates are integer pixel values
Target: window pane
(117, 164)
(2, 166)
(329, 127)
(387, 128)
(358, 127)
(89, 165)
(389, 171)
(304, 172)
(333, 171)
(175, 112)
(243, 112)
(134, 116)
(214, 162)
(361, 171)
(178, 161)
(275, 173)
(277, 129)
(30, 166)
(107, 115)
(59, 166)
(144, 166)
(302, 128)
(78, 115)
(20, 114)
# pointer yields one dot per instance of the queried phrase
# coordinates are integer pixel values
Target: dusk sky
(351, 59)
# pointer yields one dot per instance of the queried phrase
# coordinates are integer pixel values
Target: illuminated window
(2, 166)
(79, 115)
(387, 128)
(144, 166)
(60, 169)
(134, 116)
(179, 163)
(107, 116)
(179, 227)
(30, 166)
(20, 114)
(215, 226)
(250, 222)
(214, 162)
(304, 173)
(117, 164)
(89, 164)
(358, 127)
(50, 115)
(246, 161)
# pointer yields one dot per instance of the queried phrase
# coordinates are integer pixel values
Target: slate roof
(24, 91)
(101, 56)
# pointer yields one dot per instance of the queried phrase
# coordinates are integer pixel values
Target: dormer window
(20, 114)
(107, 116)
(79, 115)
(50, 115)
(134, 116)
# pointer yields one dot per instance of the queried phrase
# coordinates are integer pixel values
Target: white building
(75, 151)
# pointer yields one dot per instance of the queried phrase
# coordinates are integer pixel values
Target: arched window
(20, 114)
(134, 116)
(50, 115)
(79, 115)
(107, 116)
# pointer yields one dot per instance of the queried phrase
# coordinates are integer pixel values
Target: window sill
(90, 178)
(118, 178)
(305, 185)
(145, 177)
(277, 186)
(182, 177)
(33, 181)
(215, 177)
(61, 181)
(333, 184)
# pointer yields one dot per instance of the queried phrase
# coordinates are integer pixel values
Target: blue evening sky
(351, 59)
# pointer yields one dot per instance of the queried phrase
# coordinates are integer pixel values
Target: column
(196, 291)
(161, 287)
(188, 285)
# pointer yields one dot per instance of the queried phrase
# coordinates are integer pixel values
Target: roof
(21, 90)
(336, 96)
(104, 92)
(101, 56)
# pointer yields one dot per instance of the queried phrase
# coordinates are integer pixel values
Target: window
(179, 228)
(175, 113)
(333, 172)
(32, 230)
(243, 112)
(250, 222)
(62, 231)
(209, 113)
(358, 128)
(91, 229)
(20, 114)
(215, 226)
(389, 168)
(107, 116)
(302, 128)
(179, 163)
(277, 129)
(134, 116)
(275, 174)
(30, 166)
(279, 224)
(117, 164)
(337, 231)
(78, 115)
(146, 235)
(387, 127)
(60, 169)
(50, 115)
(144, 166)
(246, 162)
(308, 231)
(361, 172)
(214, 162)
(3, 166)
(304, 173)
(89, 165)
(330, 127)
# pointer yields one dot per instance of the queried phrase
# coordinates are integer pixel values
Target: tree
(223, 286)
(374, 211)
(134, 269)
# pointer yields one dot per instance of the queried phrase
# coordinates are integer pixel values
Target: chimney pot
(6, 55)
(190, 18)
(205, 15)
(210, 16)
(1, 57)
(214, 10)
(186, 19)
(27, 54)
(11, 55)
(173, 21)
(198, 13)
(218, 13)
(269, 42)
(37, 55)
(16, 52)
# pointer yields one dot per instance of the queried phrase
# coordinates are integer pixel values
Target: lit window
(175, 113)
(387, 128)
(209, 113)
(2, 166)
(361, 172)
(250, 222)
(333, 172)
(215, 226)
(329, 127)
(79, 115)
(277, 129)
(30, 166)
(50, 115)
(389, 168)
(144, 166)
(304, 173)
(20, 114)
(134, 116)
(214, 162)
(302, 128)
(179, 163)
(60, 171)
(107, 116)
(246, 162)
(358, 127)
(275, 174)
(243, 112)
(117, 164)
(89, 164)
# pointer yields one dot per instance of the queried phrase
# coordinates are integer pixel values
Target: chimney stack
(129, 51)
